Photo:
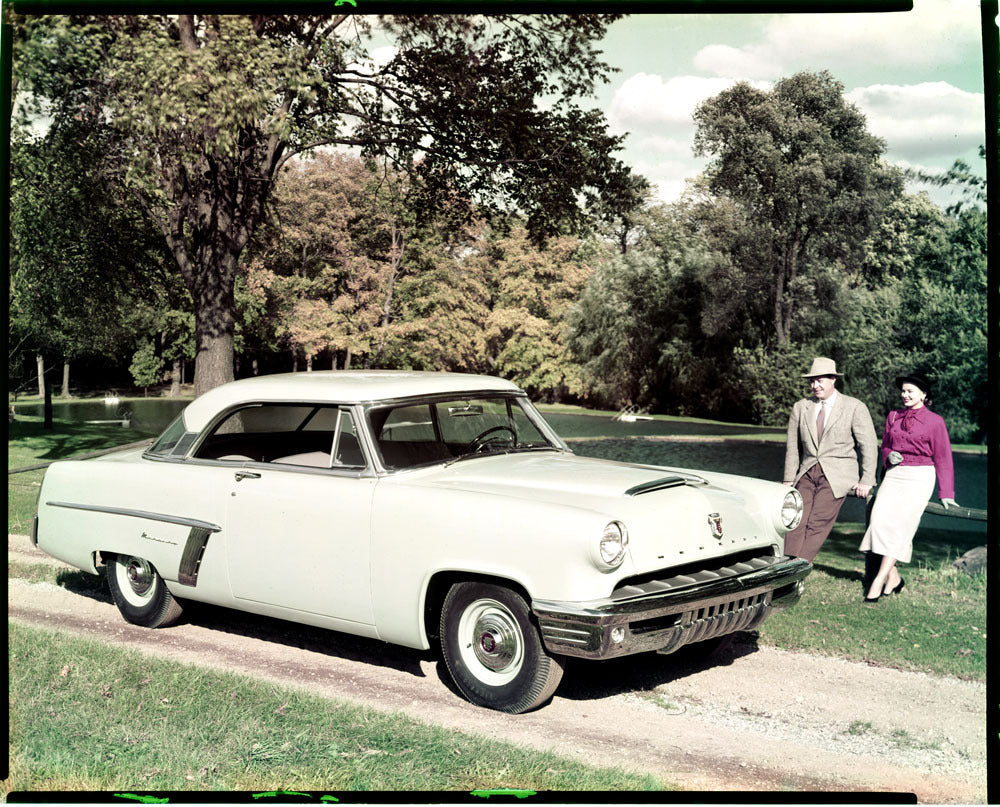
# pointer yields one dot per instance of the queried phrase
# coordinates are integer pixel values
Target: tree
(638, 328)
(971, 187)
(209, 108)
(807, 178)
(146, 367)
(80, 258)
(529, 292)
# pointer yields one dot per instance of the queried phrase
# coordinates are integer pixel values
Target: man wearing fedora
(831, 450)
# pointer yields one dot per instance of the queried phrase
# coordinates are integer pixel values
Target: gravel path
(749, 719)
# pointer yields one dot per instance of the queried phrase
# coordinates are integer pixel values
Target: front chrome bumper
(663, 615)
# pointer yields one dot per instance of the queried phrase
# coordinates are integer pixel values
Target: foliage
(208, 108)
(971, 187)
(146, 367)
(529, 292)
(641, 326)
(771, 380)
(81, 260)
(808, 184)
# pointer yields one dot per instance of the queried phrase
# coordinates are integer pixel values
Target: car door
(298, 525)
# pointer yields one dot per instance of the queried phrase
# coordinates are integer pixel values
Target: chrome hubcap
(140, 576)
(497, 642)
(494, 645)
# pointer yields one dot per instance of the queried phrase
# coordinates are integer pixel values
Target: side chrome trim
(671, 481)
(124, 511)
(194, 549)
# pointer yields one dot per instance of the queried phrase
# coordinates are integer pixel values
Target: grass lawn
(86, 715)
(936, 625)
(28, 443)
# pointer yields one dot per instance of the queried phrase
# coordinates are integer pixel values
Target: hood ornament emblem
(715, 522)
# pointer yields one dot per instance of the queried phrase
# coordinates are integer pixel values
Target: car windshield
(411, 434)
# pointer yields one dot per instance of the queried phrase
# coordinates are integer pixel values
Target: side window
(411, 424)
(347, 448)
(302, 435)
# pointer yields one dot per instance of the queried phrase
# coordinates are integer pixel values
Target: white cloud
(657, 113)
(935, 32)
(648, 103)
(944, 29)
(922, 120)
(752, 61)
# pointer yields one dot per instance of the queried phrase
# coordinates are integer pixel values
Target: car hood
(666, 517)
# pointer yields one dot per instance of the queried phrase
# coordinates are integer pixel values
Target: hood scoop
(672, 481)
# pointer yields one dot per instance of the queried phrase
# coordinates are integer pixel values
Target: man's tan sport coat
(848, 436)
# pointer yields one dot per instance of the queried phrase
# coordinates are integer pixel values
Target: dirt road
(752, 719)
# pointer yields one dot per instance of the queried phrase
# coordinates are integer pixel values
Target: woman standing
(915, 449)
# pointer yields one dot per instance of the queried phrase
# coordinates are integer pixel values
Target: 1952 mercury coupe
(423, 508)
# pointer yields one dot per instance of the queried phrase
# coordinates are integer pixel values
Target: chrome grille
(694, 574)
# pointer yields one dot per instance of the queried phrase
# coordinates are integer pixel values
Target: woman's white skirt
(902, 496)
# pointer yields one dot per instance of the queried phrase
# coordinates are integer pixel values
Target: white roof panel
(336, 386)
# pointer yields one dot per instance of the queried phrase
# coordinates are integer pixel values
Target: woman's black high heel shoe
(873, 599)
(897, 589)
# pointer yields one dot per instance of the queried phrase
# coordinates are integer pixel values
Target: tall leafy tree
(807, 178)
(529, 293)
(208, 108)
(640, 328)
(81, 260)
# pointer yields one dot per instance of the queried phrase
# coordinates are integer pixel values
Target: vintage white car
(423, 508)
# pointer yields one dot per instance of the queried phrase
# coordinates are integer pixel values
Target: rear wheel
(140, 594)
(493, 650)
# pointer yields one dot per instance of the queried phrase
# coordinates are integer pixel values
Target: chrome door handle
(241, 475)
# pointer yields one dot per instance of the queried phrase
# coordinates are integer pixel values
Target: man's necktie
(820, 422)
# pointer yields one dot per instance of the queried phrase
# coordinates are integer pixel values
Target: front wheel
(140, 593)
(493, 650)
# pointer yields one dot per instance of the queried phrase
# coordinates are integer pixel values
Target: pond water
(147, 415)
(607, 438)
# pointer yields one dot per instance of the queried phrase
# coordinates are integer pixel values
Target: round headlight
(614, 539)
(791, 510)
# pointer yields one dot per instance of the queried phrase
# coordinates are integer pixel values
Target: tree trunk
(175, 378)
(47, 406)
(215, 312)
(65, 384)
(347, 359)
(256, 366)
(213, 363)
(396, 261)
(40, 362)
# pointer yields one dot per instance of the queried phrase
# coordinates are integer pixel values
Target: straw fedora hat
(822, 366)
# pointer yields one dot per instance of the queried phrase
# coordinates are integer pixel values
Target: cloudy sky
(917, 76)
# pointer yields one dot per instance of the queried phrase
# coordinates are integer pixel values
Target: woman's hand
(946, 503)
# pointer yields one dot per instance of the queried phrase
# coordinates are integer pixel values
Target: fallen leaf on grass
(64, 671)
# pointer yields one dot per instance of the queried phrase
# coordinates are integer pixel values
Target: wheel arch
(442, 581)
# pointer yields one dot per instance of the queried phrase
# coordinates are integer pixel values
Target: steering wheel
(483, 438)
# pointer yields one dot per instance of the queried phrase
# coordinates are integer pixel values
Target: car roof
(336, 386)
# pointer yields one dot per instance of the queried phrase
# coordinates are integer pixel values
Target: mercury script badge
(715, 522)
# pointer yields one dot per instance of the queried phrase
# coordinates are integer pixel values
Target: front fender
(419, 532)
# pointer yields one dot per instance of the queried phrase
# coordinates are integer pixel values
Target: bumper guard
(663, 615)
